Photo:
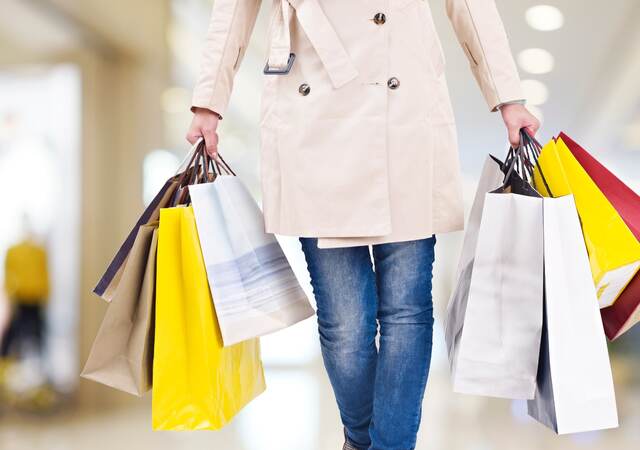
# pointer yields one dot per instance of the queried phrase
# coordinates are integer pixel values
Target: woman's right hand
(205, 125)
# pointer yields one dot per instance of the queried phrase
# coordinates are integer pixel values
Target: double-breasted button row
(392, 83)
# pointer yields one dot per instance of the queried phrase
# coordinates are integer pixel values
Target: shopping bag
(122, 353)
(254, 289)
(491, 178)
(197, 383)
(622, 197)
(574, 384)
(614, 252)
(625, 312)
(497, 354)
(109, 281)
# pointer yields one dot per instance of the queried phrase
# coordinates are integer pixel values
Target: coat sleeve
(482, 36)
(230, 28)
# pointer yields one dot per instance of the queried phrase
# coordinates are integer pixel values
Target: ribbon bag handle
(535, 148)
(190, 175)
(201, 168)
(188, 157)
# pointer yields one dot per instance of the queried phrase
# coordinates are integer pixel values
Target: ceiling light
(536, 60)
(544, 18)
(536, 92)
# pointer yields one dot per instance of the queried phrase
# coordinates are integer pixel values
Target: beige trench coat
(358, 140)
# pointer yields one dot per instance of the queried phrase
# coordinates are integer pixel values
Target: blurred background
(94, 106)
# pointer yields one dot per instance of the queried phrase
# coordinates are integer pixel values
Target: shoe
(348, 445)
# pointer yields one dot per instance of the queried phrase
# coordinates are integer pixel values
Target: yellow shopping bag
(197, 383)
(614, 252)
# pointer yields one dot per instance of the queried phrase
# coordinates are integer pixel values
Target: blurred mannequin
(27, 287)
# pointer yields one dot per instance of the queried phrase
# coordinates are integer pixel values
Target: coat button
(379, 19)
(304, 89)
(393, 83)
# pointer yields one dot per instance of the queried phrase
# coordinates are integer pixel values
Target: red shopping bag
(625, 312)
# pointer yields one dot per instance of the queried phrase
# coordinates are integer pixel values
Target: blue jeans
(379, 391)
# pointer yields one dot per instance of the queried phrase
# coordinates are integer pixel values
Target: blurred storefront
(80, 105)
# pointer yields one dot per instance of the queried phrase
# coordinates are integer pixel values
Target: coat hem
(327, 232)
(340, 242)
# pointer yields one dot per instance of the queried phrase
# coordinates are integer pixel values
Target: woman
(358, 148)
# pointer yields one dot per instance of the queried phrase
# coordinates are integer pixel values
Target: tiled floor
(297, 413)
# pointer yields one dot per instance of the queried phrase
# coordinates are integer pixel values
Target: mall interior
(94, 108)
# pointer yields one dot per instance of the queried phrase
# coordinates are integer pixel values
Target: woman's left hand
(516, 117)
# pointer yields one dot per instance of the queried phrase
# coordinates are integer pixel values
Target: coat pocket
(239, 56)
(472, 59)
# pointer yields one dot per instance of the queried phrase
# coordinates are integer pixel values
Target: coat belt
(320, 33)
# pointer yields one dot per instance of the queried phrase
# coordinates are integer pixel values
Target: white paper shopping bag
(497, 351)
(575, 390)
(254, 289)
(490, 179)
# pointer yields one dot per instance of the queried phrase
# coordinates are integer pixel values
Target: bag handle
(536, 149)
(188, 157)
(516, 160)
(189, 176)
(226, 166)
(217, 165)
(524, 159)
(201, 168)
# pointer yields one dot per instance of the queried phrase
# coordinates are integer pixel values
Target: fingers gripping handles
(201, 168)
(523, 160)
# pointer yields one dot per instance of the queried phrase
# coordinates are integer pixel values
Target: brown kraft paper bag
(122, 353)
(110, 280)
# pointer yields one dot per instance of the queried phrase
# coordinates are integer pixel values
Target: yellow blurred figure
(26, 274)
(27, 287)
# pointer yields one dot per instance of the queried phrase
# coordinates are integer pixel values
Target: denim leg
(344, 286)
(405, 313)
